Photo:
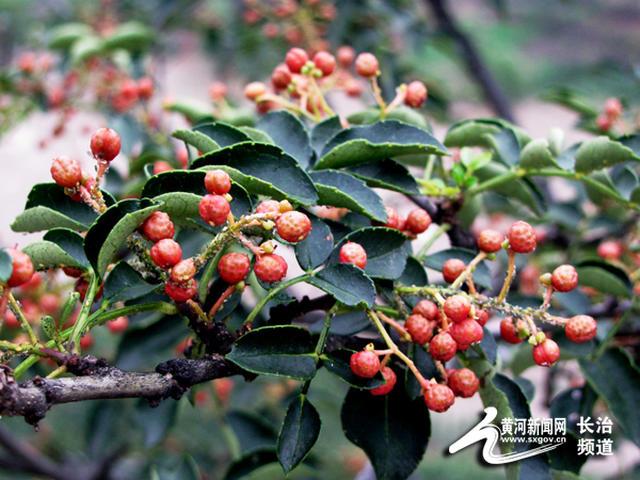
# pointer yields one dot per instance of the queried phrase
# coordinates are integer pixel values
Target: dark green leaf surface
(250, 462)
(427, 368)
(289, 134)
(299, 432)
(604, 277)
(314, 250)
(517, 189)
(393, 430)
(44, 255)
(381, 140)
(252, 431)
(338, 363)
(155, 422)
(536, 155)
(281, 351)
(340, 189)
(222, 133)
(346, 283)
(49, 207)
(601, 152)
(264, 170)
(199, 140)
(110, 231)
(386, 251)
(505, 144)
(325, 131)
(616, 379)
(69, 241)
(387, 174)
(124, 283)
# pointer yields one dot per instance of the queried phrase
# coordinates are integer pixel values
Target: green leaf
(481, 275)
(280, 351)
(263, 170)
(324, 131)
(338, 363)
(49, 207)
(477, 133)
(340, 189)
(63, 36)
(427, 367)
(387, 174)
(110, 231)
(300, 430)
(393, 430)
(252, 430)
(6, 265)
(536, 155)
(85, 48)
(257, 135)
(345, 323)
(314, 250)
(124, 283)
(289, 134)
(381, 140)
(71, 242)
(386, 251)
(222, 133)
(602, 152)
(624, 179)
(604, 277)
(45, 254)
(202, 142)
(193, 111)
(505, 144)
(183, 469)
(617, 380)
(155, 422)
(129, 36)
(346, 283)
(250, 462)
(516, 189)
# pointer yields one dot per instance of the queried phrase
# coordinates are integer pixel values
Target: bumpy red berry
(417, 221)
(439, 397)
(604, 123)
(255, 90)
(443, 347)
(482, 317)
(419, 328)
(217, 182)
(510, 329)
(522, 237)
(183, 271)
(293, 226)
(466, 332)
(158, 226)
(325, 62)
(354, 253)
(365, 364)
(49, 303)
(546, 353)
(393, 219)
(281, 77)
(145, 88)
(390, 377)
(427, 309)
(22, 268)
(564, 278)
(105, 144)
(416, 94)
(214, 209)
(166, 253)
(66, 172)
(234, 266)
(452, 269)
(295, 59)
(367, 65)
(610, 250)
(612, 108)
(346, 55)
(181, 292)
(457, 307)
(269, 206)
(10, 319)
(490, 241)
(581, 328)
(86, 342)
(118, 325)
(464, 383)
(270, 268)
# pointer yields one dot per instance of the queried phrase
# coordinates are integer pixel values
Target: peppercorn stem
(23, 320)
(83, 317)
(468, 270)
(429, 243)
(377, 93)
(272, 293)
(399, 328)
(216, 306)
(511, 270)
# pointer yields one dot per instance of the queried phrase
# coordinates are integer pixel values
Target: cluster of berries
(416, 222)
(611, 114)
(305, 78)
